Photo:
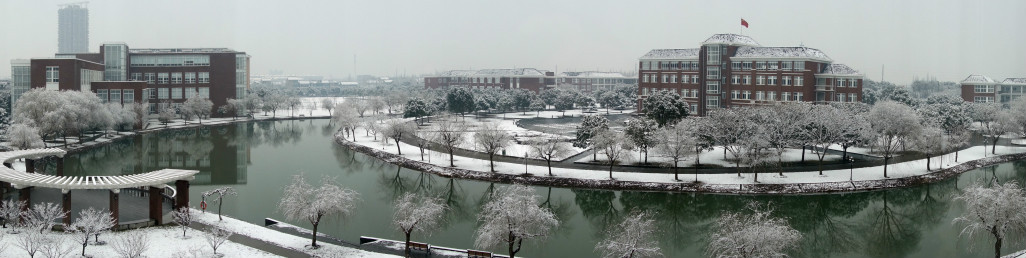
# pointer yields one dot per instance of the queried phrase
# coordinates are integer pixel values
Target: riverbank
(902, 174)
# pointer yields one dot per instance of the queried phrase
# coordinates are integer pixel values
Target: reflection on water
(258, 158)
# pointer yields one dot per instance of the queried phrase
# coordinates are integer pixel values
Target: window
(747, 80)
(786, 66)
(760, 65)
(115, 96)
(712, 102)
(760, 80)
(840, 97)
(798, 96)
(746, 65)
(712, 87)
(190, 93)
(759, 96)
(771, 96)
(787, 80)
(839, 83)
(137, 76)
(684, 78)
(772, 80)
(980, 99)
(694, 66)
(204, 77)
(746, 94)
(713, 54)
(855, 83)
(712, 72)
(162, 93)
(666, 78)
(673, 78)
(983, 89)
(694, 79)
(53, 74)
(735, 65)
(798, 80)
(162, 78)
(190, 78)
(694, 108)
(735, 94)
(799, 65)
(644, 91)
(102, 94)
(853, 98)
(774, 66)
(127, 96)
(176, 78)
(151, 78)
(736, 79)
(176, 93)
(694, 93)
(644, 78)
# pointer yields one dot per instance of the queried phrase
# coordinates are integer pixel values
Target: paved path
(256, 243)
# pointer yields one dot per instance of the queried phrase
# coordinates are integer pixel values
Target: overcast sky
(944, 39)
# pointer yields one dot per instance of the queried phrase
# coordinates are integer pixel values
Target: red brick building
(588, 82)
(160, 77)
(979, 88)
(520, 78)
(731, 70)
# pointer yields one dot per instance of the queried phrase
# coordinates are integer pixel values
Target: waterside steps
(421, 249)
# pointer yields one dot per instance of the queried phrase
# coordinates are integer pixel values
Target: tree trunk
(450, 160)
(219, 202)
(491, 161)
(400, 150)
(956, 156)
(803, 152)
(997, 245)
(313, 244)
(676, 171)
(993, 147)
(928, 163)
(610, 170)
(845, 153)
(407, 251)
(886, 158)
(549, 162)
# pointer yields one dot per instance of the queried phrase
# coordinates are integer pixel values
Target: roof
(1014, 81)
(22, 179)
(781, 52)
(730, 39)
(494, 72)
(839, 69)
(687, 53)
(976, 78)
(179, 50)
(592, 74)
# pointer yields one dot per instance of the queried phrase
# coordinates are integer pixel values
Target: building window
(115, 96)
(771, 96)
(759, 96)
(176, 93)
(798, 96)
(983, 89)
(127, 96)
(785, 96)
(684, 78)
(853, 98)
(799, 65)
(151, 78)
(694, 79)
(665, 78)
(774, 66)
(787, 80)
(760, 80)
(162, 93)
(644, 78)
(694, 93)
(798, 80)
(746, 95)
(644, 91)
(839, 83)
(735, 94)
(735, 65)
(772, 80)
(136, 76)
(176, 78)
(746, 65)
(712, 87)
(736, 79)
(980, 99)
(840, 97)
(673, 78)
(102, 94)
(854, 83)
(53, 74)
(190, 93)
(190, 78)
(204, 92)
(162, 78)
(204, 77)
(786, 66)
(760, 65)
(712, 102)
(747, 80)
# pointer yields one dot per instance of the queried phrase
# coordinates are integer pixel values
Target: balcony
(824, 88)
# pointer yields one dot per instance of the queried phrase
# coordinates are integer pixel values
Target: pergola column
(156, 205)
(25, 195)
(181, 194)
(114, 205)
(60, 166)
(30, 166)
(66, 205)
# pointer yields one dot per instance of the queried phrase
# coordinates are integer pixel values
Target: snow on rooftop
(592, 74)
(494, 72)
(730, 39)
(1014, 81)
(688, 53)
(840, 69)
(976, 78)
(178, 50)
(781, 52)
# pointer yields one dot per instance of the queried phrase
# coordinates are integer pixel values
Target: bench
(420, 246)
(478, 254)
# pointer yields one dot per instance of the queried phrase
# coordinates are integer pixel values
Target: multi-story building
(73, 28)
(983, 89)
(588, 82)
(520, 78)
(21, 74)
(161, 77)
(731, 70)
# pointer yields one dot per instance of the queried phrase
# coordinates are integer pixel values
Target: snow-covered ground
(163, 242)
(518, 147)
(898, 170)
(714, 157)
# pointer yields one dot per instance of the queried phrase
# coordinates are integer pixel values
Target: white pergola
(155, 180)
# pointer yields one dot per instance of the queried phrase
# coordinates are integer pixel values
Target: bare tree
(11, 211)
(395, 129)
(131, 244)
(930, 142)
(91, 222)
(781, 125)
(550, 149)
(997, 211)
(183, 218)
(893, 122)
(361, 106)
(216, 236)
(614, 146)
(450, 135)
(676, 143)
(728, 128)
(633, 237)
(220, 193)
(491, 139)
(43, 216)
(302, 201)
(416, 213)
(328, 104)
(752, 235)
(57, 247)
(423, 140)
(511, 216)
(31, 241)
(823, 128)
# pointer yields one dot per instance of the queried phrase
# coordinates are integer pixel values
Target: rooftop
(731, 39)
(593, 74)
(976, 78)
(494, 72)
(179, 50)
(781, 52)
(22, 179)
(839, 69)
(1014, 81)
(687, 53)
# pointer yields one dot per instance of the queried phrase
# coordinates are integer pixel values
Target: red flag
(744, 23)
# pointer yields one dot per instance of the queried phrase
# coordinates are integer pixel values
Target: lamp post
(525, 163)
(851, 169)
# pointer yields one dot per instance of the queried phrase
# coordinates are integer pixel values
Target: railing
(824, 88)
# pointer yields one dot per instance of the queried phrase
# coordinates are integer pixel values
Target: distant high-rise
(73, 28)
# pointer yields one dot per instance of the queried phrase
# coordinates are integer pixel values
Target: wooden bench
(420, 246)
(478, 254)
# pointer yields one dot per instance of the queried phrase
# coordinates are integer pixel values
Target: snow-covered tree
(11, 211)
(564, 101)
(450, 136)
(823, 128)
(665, 107)
(43, 216)
(23, 137)
(614, 146)
(199, 107)
(90, 223)
(395, 129)
(272, 102)
(292, 102)
(131, 244)
(302, 201)
(165, 115)
(590, 127)
(346, 118)
(997, 211)
(460, 101)
(754, 151)
(641, 133)
(855, 129)
(231, 107)
(550, 149)
(635, 236)
(56, 247)
(781, 126)
(728, 128)
(1017, 110)
(31, 241)
(216, 236)
(416, 108)
(183, 218)
(219, 195)
(395, 100)
(417, 213)
(511, 216)
(329, 104)
(893, 123)
(930, 141)
(491, 139)
(676, 142)
(752, 235)
(422, 140)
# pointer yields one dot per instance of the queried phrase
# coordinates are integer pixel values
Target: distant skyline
(947, 40)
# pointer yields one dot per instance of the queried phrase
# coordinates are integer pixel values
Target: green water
(257, 159)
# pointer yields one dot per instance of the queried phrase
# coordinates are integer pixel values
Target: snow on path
(163, 242)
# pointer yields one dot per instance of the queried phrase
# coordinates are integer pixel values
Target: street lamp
(851, 168)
